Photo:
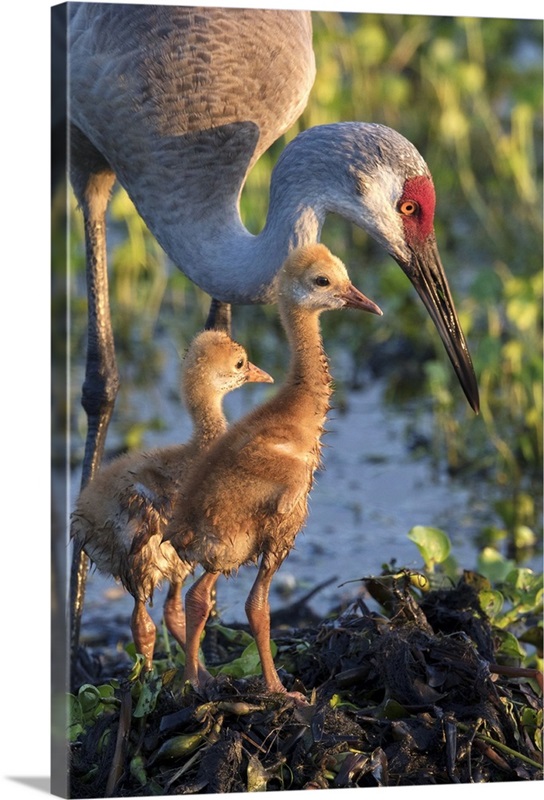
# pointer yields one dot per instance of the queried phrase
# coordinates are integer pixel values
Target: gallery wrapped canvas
(331, 581)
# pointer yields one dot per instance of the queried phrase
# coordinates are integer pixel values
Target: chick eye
(322, 280)
(408, 208)
(239, 364)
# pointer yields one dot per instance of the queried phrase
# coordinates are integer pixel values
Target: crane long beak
(427, 275)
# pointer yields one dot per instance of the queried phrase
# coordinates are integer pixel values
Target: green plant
(511, 597)
(88, 705)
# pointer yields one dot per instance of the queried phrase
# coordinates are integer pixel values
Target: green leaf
(247, 664)
(234, 635)
(106, 691)
(432, 543)
(491, 602)
(89, 698)
(138, 663)
(337, 701)
(137, 770)
(524, 580)
(149, 693)
(524, 536)
(74, 731)
(493, 565)
(75, 715)
(178, 747)
(531, 718)
(257, 776)
(509, 646)
(393, 710)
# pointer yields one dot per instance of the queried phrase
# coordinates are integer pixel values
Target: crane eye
(322, 280)
(408, 208)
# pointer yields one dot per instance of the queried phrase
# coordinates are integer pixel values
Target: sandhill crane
(246, 497)
(178, 103)
(120, 515)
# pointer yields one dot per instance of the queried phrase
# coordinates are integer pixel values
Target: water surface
(371, 491)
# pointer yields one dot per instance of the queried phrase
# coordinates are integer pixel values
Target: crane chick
(246, 498)
(120, 516)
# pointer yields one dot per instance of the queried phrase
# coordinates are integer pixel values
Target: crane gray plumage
(178, 104)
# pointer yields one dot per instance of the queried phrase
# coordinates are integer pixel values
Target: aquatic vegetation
(423, 678)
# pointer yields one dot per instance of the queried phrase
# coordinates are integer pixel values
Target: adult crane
(177, 104)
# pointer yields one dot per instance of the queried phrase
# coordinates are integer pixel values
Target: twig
(518, 672)
(500, 746)
(125, 718)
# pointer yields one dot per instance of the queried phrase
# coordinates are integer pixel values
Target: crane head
(423, 266)
(410, 239)
(386, 188)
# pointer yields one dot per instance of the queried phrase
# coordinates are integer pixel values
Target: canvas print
(297, 399)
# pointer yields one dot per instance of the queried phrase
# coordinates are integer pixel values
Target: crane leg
(219, 317)
(92, 184)
(101, 377)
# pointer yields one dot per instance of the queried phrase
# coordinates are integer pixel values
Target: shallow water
(371, 491)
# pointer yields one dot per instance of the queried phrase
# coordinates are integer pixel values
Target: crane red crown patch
(419, 225)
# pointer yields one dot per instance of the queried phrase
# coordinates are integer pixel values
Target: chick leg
(199, 603)
(144, 632)
(174, 619)
(258, 614)
(174, 614)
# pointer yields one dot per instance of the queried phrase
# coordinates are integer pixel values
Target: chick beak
(353, 298)
(256, 375)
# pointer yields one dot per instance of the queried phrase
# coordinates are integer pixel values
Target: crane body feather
(180, 104)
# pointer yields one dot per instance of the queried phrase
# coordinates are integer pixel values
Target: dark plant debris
(411, 694)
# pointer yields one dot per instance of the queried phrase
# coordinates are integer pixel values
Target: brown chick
(120, 516)
(246, 497)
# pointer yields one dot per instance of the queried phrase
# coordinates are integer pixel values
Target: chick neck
(205, 406)
(309, 368)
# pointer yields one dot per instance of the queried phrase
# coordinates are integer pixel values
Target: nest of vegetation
(409, 695)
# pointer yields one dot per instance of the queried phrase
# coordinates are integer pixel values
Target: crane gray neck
(319, 172)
